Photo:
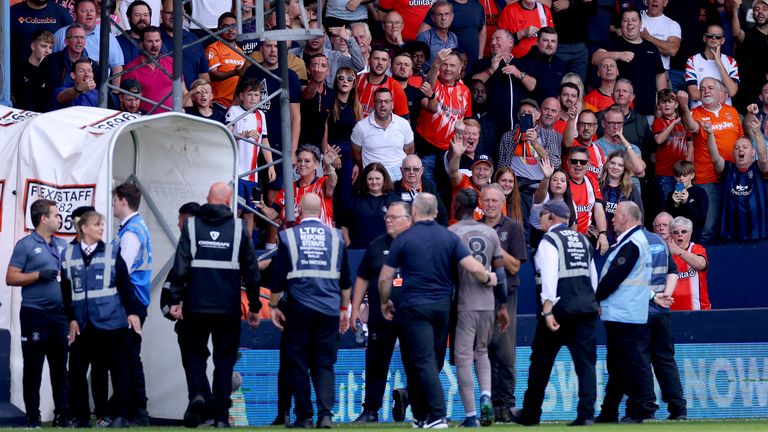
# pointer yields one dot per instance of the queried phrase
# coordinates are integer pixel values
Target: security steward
(382, 334)
(102, 306)
(214, 258)
(660, 351)
(312, 258)
(186, 211)
(136, 250)
(426, 255)
(623, 296)
(34, 266)
(566, 280)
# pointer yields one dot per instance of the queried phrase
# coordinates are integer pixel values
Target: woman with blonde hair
(616, 186)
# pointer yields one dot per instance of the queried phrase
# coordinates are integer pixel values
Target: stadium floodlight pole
(285, 115)
(104, 30)
(178, 53)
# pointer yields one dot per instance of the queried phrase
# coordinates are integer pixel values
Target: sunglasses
(713, 36)
(579, 161)
(680, 232)
(342, 78)
(411, 169)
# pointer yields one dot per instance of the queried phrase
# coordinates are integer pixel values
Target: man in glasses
(412, 184)
(692, 264)
(711, 63)
(586, 125)
(586, 197)
(382, 334)
(613, 139)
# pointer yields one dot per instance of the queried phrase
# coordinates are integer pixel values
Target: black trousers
(382, 337)
(578, 334)
(629, 371)
(501, 353)
(659, 352)
(138, 390)
(224, 331)
(184, 352)
(312, 342)
(425, 333)
(104, 349)
(44, 335)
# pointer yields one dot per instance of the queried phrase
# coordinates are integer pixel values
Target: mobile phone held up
(679, 187)
(526, 122)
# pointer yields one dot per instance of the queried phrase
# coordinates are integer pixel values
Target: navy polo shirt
(427, 255)
(33, 254)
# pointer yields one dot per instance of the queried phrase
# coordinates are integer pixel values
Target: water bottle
(359, 333)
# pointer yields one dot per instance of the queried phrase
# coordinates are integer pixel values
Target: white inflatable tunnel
(75, 156)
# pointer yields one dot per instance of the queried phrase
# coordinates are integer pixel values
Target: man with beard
(154, 81)
(506, 84)
(638, 60)
(29, 16)
(377, 78)
(744, 200)
(56, 67)
(751, 53)
(224, 63)
(336, 59)
(402, 71)
(194, 63)
(139, 17)
(587, 198)
(488, 139)
(726, 130)
(85, 15)
(542, 63)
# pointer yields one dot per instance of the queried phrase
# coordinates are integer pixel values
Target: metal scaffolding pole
(5, 53)
(104, 30)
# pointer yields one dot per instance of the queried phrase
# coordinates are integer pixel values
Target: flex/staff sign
(67, 197)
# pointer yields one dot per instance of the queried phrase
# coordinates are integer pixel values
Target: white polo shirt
(385, 146)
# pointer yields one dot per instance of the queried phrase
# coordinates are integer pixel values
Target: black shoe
(630, 420)
(400, 398)
(61, 421)
(678, 417)
(367, 417)
(516, 415)
(580, 421)
(325, 422)
(221, 424)
(119, 422)
(604, 418)
(34, 422)
(195, 412)
(81, 423)
(301, 424)
(501, 414)
(282, 419)
(141, 419)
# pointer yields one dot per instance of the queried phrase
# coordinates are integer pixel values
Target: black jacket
(210, 286)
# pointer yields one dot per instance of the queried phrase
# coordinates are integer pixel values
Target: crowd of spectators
(661, 104)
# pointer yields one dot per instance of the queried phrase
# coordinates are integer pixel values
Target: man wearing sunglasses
(413, 183)
(711, 63)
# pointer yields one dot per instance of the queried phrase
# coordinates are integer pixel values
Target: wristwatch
(523, 75)
(546, 314)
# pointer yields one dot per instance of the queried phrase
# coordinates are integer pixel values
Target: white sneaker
(437, 424)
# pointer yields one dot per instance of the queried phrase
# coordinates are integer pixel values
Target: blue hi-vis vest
(659, 267)
(629, 303)
(94, 296)
(316, 258)
(141, 270)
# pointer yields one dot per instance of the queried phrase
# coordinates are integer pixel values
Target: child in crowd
(252, 126)
(674, 142)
